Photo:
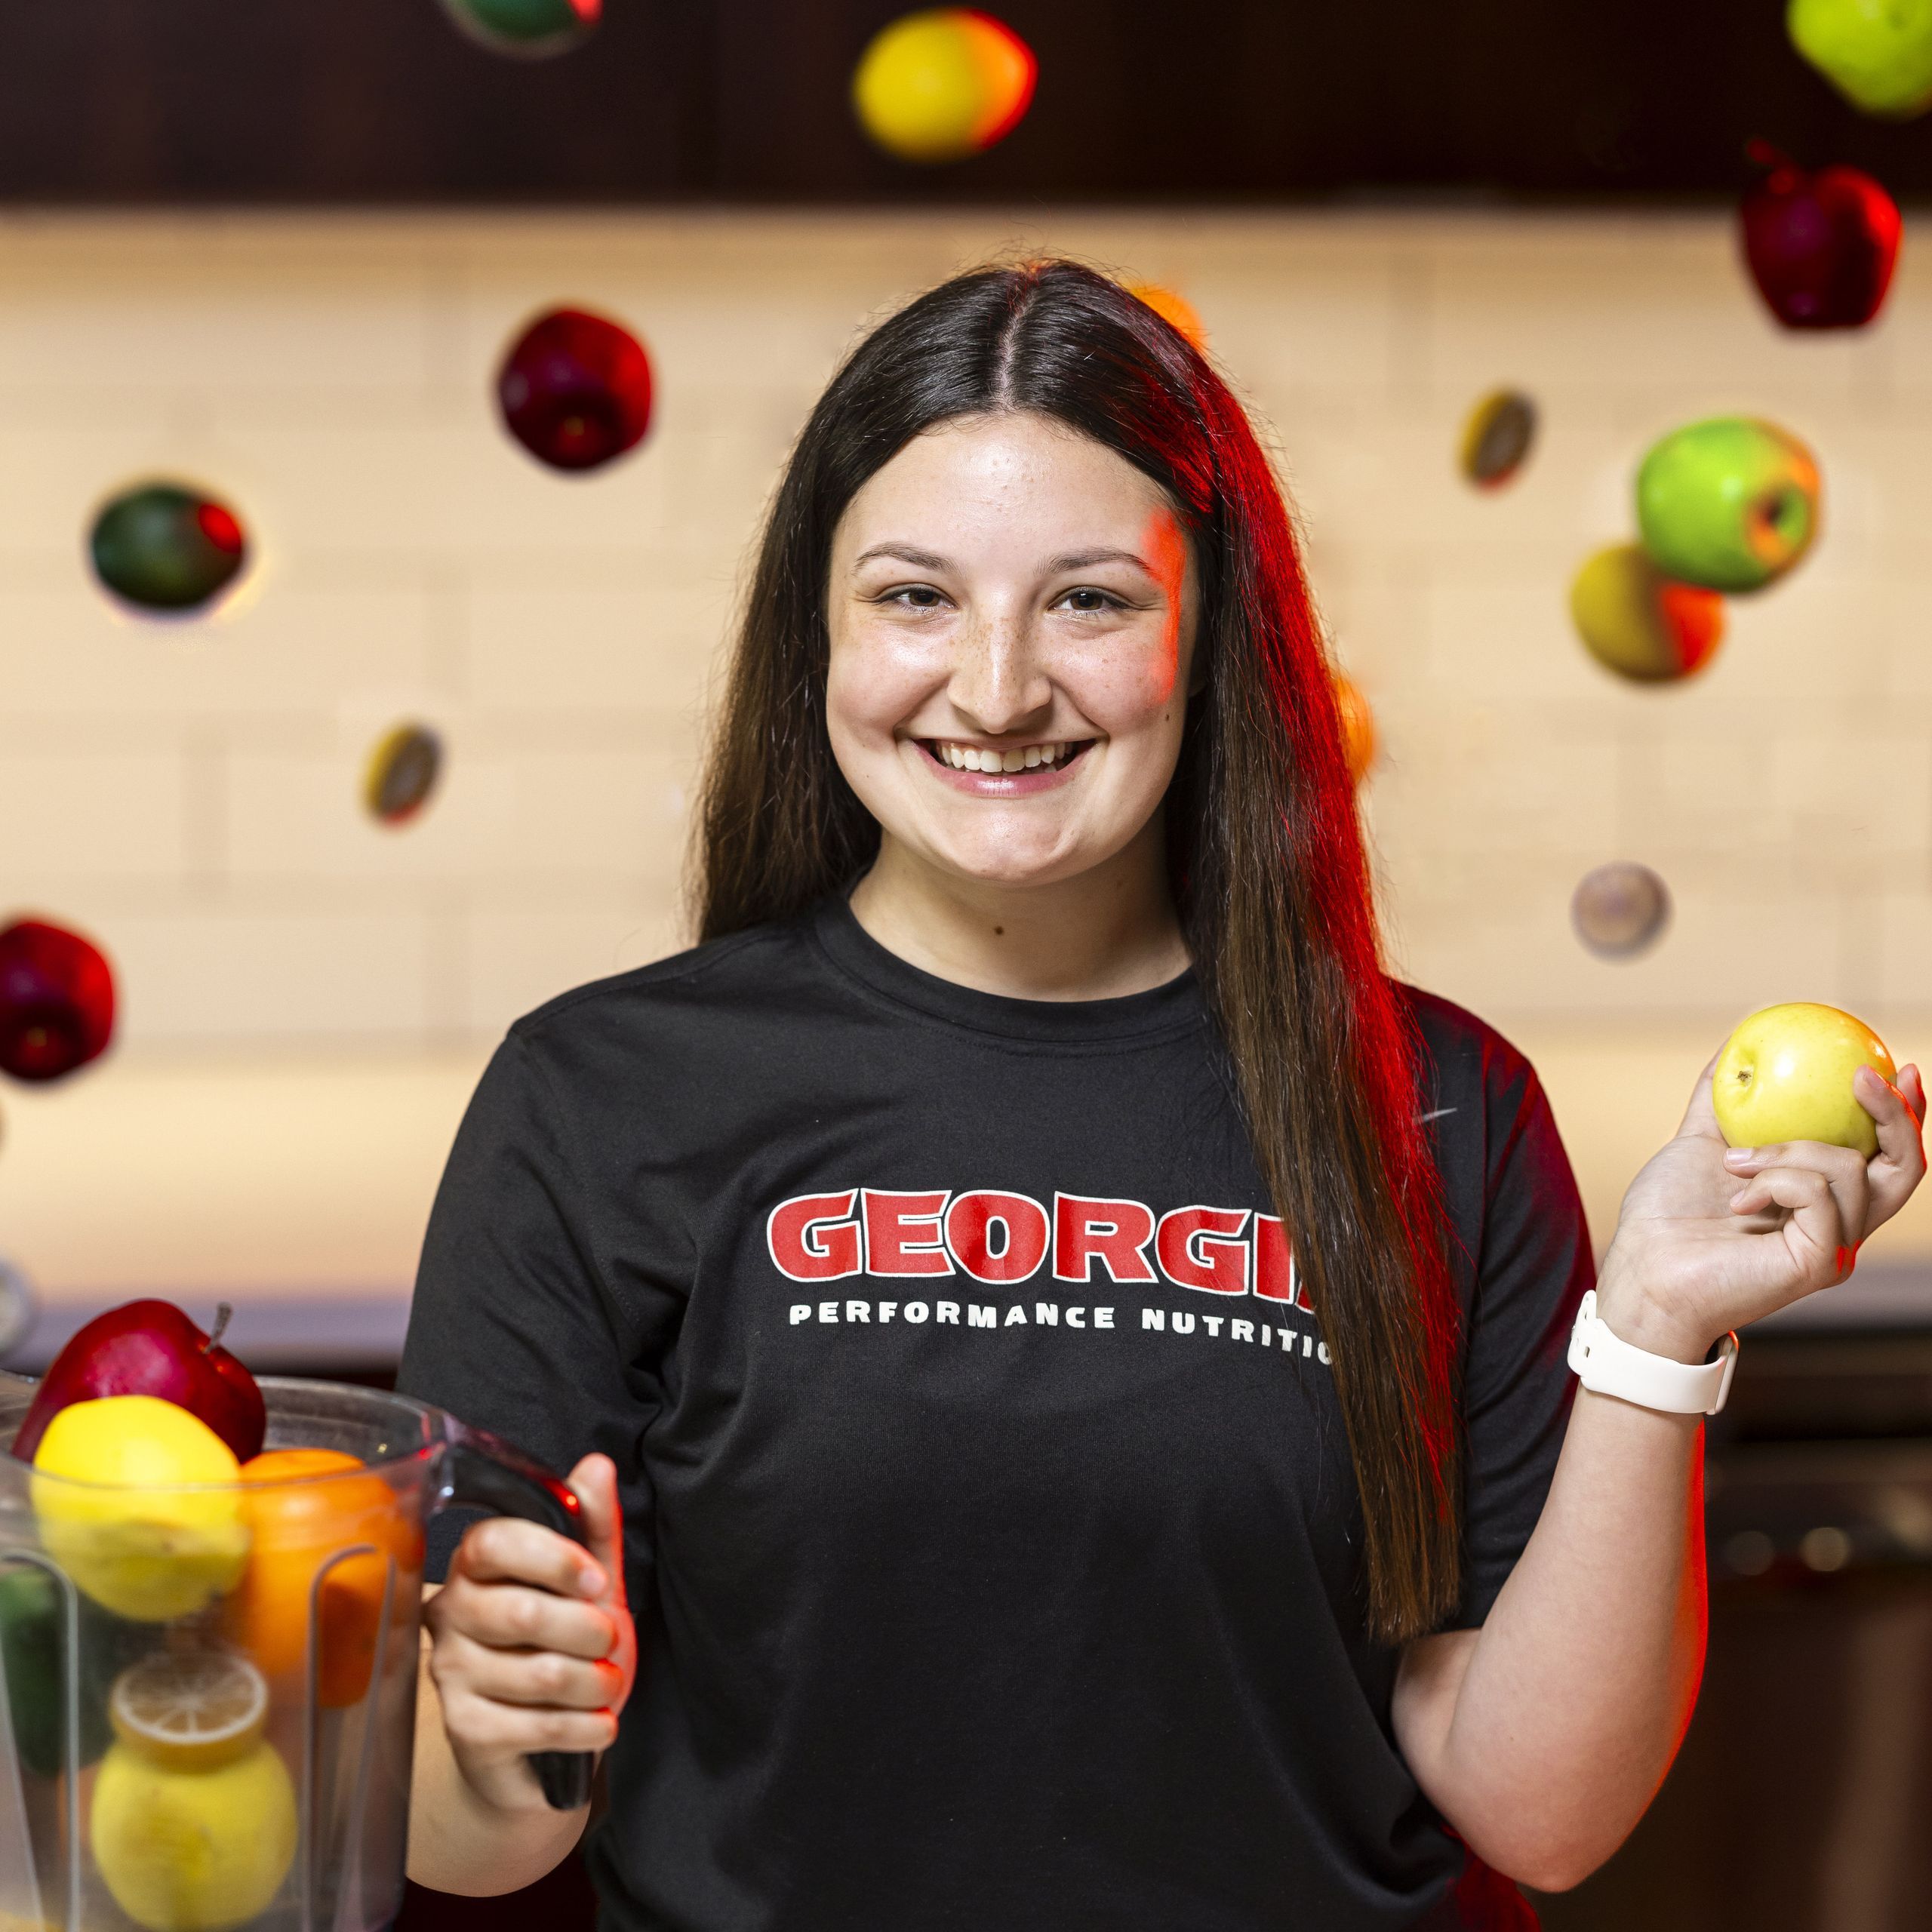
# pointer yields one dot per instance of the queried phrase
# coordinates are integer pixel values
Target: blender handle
(486, 1473)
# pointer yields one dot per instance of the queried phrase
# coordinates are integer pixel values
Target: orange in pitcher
(302, 1507)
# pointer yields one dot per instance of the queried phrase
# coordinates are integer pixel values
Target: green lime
(33, 1658)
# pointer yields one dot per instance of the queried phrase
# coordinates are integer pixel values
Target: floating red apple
(575, 389)
(57, 1001)
(151, 1347)
(1821, 244)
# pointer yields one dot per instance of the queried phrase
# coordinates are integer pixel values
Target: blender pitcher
(207, 1694)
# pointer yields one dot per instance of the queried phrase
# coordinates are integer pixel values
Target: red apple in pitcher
(1821, 244)
(150, 1348)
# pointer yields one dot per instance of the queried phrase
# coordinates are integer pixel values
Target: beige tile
(77, 814)
(332, 374)
(287, 972)
(57, 469)
(499, 811)
(288, 645)
(450, 488)
(267, 312)
(519, 956)
(1583, 304)
(641, 640)
(1723, 954)
(1901, 961)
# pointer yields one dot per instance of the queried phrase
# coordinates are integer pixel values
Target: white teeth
(1026, 758)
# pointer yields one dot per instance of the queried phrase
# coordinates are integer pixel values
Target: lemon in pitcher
(139, 1502)
(193, 1825)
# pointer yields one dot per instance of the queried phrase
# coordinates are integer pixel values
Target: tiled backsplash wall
(189, 792)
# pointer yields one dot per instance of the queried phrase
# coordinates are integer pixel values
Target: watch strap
(1607, 1364)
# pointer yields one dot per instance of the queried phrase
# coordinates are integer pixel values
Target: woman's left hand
(1712, 1237)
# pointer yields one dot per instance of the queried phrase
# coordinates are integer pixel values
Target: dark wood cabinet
(377, 101)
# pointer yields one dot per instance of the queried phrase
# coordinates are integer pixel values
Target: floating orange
(303, 1506)
(1176, 310)
(1358, 740)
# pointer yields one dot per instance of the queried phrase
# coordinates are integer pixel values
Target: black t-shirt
(991, 1530)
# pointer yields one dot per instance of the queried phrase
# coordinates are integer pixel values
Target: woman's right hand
(533, 1647)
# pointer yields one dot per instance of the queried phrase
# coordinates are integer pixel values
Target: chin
(1014, 870)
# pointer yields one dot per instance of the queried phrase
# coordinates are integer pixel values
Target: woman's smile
(1003, 771)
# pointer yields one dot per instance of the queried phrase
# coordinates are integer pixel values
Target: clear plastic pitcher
(208, 1695)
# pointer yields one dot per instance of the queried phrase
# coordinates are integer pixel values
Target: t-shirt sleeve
(1533, 1266)
(513, 1328)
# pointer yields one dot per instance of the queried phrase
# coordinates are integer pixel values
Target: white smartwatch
(1605, 1363)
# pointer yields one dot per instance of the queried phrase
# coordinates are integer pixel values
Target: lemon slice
(191, 1712)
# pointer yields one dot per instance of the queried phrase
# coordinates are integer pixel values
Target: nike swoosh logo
(1437, 1114)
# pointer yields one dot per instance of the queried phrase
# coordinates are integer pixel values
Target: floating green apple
(1878, 54)
(1636, 622)
(167, 546)
(1786, 1075)
(1729, 504)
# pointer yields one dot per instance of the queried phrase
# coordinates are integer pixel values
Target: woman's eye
(916, 597)
(1087, 600)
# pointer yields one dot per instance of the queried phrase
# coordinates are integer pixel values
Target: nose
(999, 683)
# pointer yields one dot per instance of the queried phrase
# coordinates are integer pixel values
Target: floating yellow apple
(1637, 622)
(943, 83)
(1786, 1075)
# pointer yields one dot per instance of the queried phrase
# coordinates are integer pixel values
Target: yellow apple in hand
(1786, 1075)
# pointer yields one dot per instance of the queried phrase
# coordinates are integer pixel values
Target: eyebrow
(1080, 560)
(1068, 560)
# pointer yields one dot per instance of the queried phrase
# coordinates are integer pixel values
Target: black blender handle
(485, 1472)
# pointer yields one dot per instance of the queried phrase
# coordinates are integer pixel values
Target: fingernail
(590, 1580)
(1739, 1196)
(1737, 1156)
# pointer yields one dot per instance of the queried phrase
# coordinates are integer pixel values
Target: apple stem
(223, 1310)
(1762, 151)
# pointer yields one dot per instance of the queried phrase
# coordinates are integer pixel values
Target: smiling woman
(1080, 1345)
(1010, 706)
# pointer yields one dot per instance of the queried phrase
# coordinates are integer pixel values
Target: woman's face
(1012, 610)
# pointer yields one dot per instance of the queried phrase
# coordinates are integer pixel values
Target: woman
(1080, 1352)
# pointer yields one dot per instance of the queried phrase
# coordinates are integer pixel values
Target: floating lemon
(138, 1501)
(193, 1850)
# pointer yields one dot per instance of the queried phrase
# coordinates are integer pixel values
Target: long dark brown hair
(1265, 849)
